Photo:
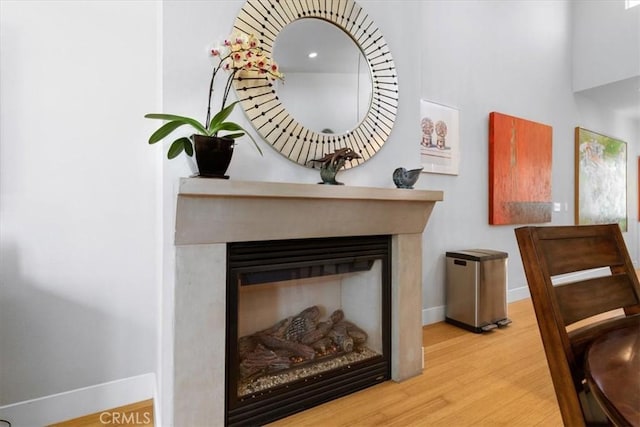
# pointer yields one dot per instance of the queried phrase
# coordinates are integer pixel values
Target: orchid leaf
(218, 119)
(178, 146)
(238, 127)
(185, 120)
(188, 147)
(164, 130)
(229, 126)
(254, 143)
(235, 135)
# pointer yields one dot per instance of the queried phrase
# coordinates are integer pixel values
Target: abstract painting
(601, 179)
(519, 170)
(439, 146)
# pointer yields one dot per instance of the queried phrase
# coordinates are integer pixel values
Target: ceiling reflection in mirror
(278, 115)
(322, 63)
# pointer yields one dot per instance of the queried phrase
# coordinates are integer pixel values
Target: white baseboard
(437, 314)
(516, 294)
(77, 403)
(433, 315)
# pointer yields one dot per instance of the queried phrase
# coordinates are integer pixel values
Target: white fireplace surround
(211, 213)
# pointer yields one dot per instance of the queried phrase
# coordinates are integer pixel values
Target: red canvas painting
(519, 170)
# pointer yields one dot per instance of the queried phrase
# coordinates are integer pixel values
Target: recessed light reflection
(313, 54)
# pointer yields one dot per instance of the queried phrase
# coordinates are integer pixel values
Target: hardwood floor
(137, 414)
(495, 379)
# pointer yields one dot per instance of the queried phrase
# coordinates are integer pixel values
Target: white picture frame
(440, 138)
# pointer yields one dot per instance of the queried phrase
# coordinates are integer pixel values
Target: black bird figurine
(403, 178)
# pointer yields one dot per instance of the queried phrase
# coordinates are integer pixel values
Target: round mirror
(321, 62)
(295, 123)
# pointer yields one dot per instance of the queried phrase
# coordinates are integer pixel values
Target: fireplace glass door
(307, 321)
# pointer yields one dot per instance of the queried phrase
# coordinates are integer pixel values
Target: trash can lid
(478, 254)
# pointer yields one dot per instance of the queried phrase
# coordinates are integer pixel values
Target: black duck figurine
(403, 178)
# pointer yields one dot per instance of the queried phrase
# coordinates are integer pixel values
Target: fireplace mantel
(220, 211)
(211, 213)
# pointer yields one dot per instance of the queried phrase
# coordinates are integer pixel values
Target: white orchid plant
(240, 53)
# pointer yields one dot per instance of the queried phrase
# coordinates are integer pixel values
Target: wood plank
(587, 298)
(136, 414)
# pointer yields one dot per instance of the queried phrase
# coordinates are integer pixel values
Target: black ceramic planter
(213, 155)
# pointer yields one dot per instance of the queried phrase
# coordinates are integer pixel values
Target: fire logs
(298, 339)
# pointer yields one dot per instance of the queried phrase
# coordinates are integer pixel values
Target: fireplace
(213, 216)
(308, 321)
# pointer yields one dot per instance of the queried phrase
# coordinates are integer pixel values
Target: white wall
(78, 222)
(606, 42)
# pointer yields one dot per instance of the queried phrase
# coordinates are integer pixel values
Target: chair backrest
(612, 283)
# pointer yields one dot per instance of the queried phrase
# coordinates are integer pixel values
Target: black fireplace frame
(347, 253)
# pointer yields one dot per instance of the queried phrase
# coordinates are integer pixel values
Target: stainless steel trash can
(476, 289)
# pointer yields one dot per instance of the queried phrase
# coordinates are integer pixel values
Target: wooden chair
(550, 251)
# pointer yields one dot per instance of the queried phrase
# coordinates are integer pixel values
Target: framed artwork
(440, 143)
(519, 170)
(601, 179)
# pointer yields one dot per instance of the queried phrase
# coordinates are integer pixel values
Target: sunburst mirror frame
(258, 97)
